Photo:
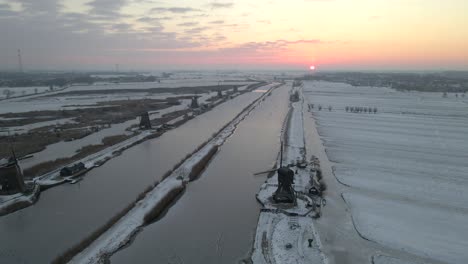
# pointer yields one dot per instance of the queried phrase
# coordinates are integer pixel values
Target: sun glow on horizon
(297, 34)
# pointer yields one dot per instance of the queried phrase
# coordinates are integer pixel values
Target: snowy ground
(64, 149)
(22, 91)
(120, 233)
(61, 101)
(276, 231)
(67, 149)
(283, 230)
(405, 166)
(53, 177)
(26, 128)
(380, 259)
(7, 201)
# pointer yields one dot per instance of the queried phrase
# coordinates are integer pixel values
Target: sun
(312, 67)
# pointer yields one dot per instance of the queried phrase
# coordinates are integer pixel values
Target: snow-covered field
(38, 102)
(406, 166)
(21, 91)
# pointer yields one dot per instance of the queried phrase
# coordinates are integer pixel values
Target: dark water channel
(214, 221)
(66, 214)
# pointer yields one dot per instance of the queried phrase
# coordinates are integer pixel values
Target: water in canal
(214, 221)
(66, 214)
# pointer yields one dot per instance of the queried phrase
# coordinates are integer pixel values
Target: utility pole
(20, 62)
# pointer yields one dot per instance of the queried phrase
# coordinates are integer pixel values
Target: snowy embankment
(53, 178)
(286, 232)
(405, 166)
(126, 227)
(11, 203)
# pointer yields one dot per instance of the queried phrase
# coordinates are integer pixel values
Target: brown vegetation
(85, 118)
(162, 204)
(36, 141)
(71, 252)
(202, 163)
(48, 166)
(14, 207)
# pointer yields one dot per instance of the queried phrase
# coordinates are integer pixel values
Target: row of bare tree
(360, 109)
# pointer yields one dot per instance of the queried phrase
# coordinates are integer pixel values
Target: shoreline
(119, 234)
(53, 179)
(286, 232)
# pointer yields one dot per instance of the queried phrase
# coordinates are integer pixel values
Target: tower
(20, 62)
(11, 177)
(194, 103)
(145, 122)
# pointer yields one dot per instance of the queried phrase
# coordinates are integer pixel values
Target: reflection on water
(215, 219)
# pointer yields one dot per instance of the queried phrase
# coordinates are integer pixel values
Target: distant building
(11, 177)
(69, 171)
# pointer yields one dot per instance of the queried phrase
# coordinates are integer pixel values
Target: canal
(66, 214)
(214, 221)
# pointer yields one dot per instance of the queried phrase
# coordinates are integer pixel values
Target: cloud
(177, 10)
(50, 35)
(194, 16)
(216, 22)
(187, 24)
(269, 46)
(146, 19)
(121, 26)
(5, 11)
(216, 5)
(107, 8)
(196, 30)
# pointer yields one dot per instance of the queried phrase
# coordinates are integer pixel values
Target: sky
(240, 34)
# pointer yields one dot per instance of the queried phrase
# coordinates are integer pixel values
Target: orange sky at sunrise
(145, 34)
